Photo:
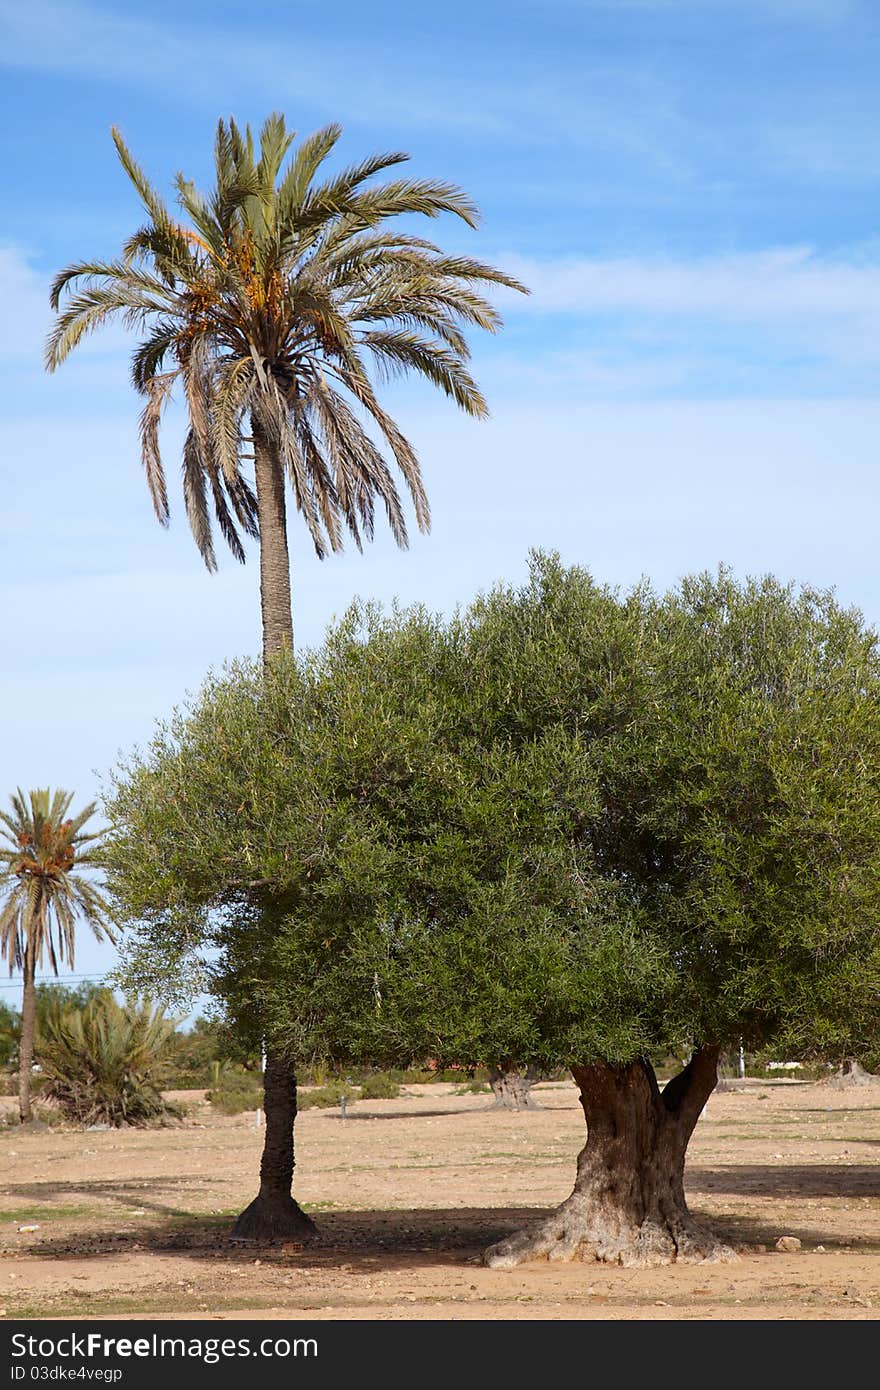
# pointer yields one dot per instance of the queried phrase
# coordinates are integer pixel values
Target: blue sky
(690, 189)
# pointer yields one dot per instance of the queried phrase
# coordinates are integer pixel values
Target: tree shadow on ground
(786, 1180)
(393, 1239)
(833, 1109)
(139, 1194)
(396, 1236)
(478, 1111)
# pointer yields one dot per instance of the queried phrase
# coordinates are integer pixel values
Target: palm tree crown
(42, 894)
(271, 303)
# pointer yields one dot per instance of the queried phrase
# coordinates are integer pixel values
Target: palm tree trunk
(273, 1214)
(274, 554)
(28, 1029)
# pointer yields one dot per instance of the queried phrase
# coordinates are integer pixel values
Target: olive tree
(565, 827)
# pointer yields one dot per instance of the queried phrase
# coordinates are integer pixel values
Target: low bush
(324, 1097)
(235, 1089)
(380, 1086)
(45, 1117)
(100, 1064)
(234, 1101)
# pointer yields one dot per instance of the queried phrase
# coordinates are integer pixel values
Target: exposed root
(852, 1074)
(577, 1231)
(499, 1103)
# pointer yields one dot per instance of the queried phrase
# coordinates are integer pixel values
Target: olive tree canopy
(566, 826)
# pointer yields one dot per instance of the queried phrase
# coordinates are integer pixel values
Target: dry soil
(134, 1223)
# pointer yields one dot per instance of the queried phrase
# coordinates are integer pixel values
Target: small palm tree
(102, 1062)
(42, 894)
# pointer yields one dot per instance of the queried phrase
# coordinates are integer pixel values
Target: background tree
(53, 998)
(566, 827)
(9, 1032)
(268, 305)
(44, 890)
(196, 1055)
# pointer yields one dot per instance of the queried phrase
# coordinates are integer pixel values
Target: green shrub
(235, 1100)
(324, 1097)
(43, 1116)
(461, 1074)
(194, 1056)
(473, 1088)
(9, 1030)
(197, 1080)
(234, 1089)
(380, 1086)
(100, 1063)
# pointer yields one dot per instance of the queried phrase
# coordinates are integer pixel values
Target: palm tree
(267, 306)
(266, 309)
(42, 894)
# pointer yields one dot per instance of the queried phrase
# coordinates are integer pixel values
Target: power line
(54, 980)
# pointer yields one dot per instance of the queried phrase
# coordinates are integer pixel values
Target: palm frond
(359, 468)
(149, 356)
(275, 141)
(407, 352)
(91, 308)
(274, 419)
(148, 195)
(196, 500)
(232, 391)
(203, 214)
(159, 390)
(397, 198)
(311, 154)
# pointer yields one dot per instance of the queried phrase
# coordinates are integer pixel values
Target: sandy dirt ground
(408, 1192)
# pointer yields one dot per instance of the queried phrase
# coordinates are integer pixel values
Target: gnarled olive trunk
(628, 1205)
(852, 1073)
(28, 1029)
(512, 1089)
(273, 1214)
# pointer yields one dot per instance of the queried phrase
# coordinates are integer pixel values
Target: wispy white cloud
(25, 324)
(779, 321)
(25, 317)
(798, 320)
(837, 143)
(782, 283)
(110, 44)
(591, 101)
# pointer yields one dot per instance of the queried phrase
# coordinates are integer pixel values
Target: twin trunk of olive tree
(628, 1205)
(512, 1089)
